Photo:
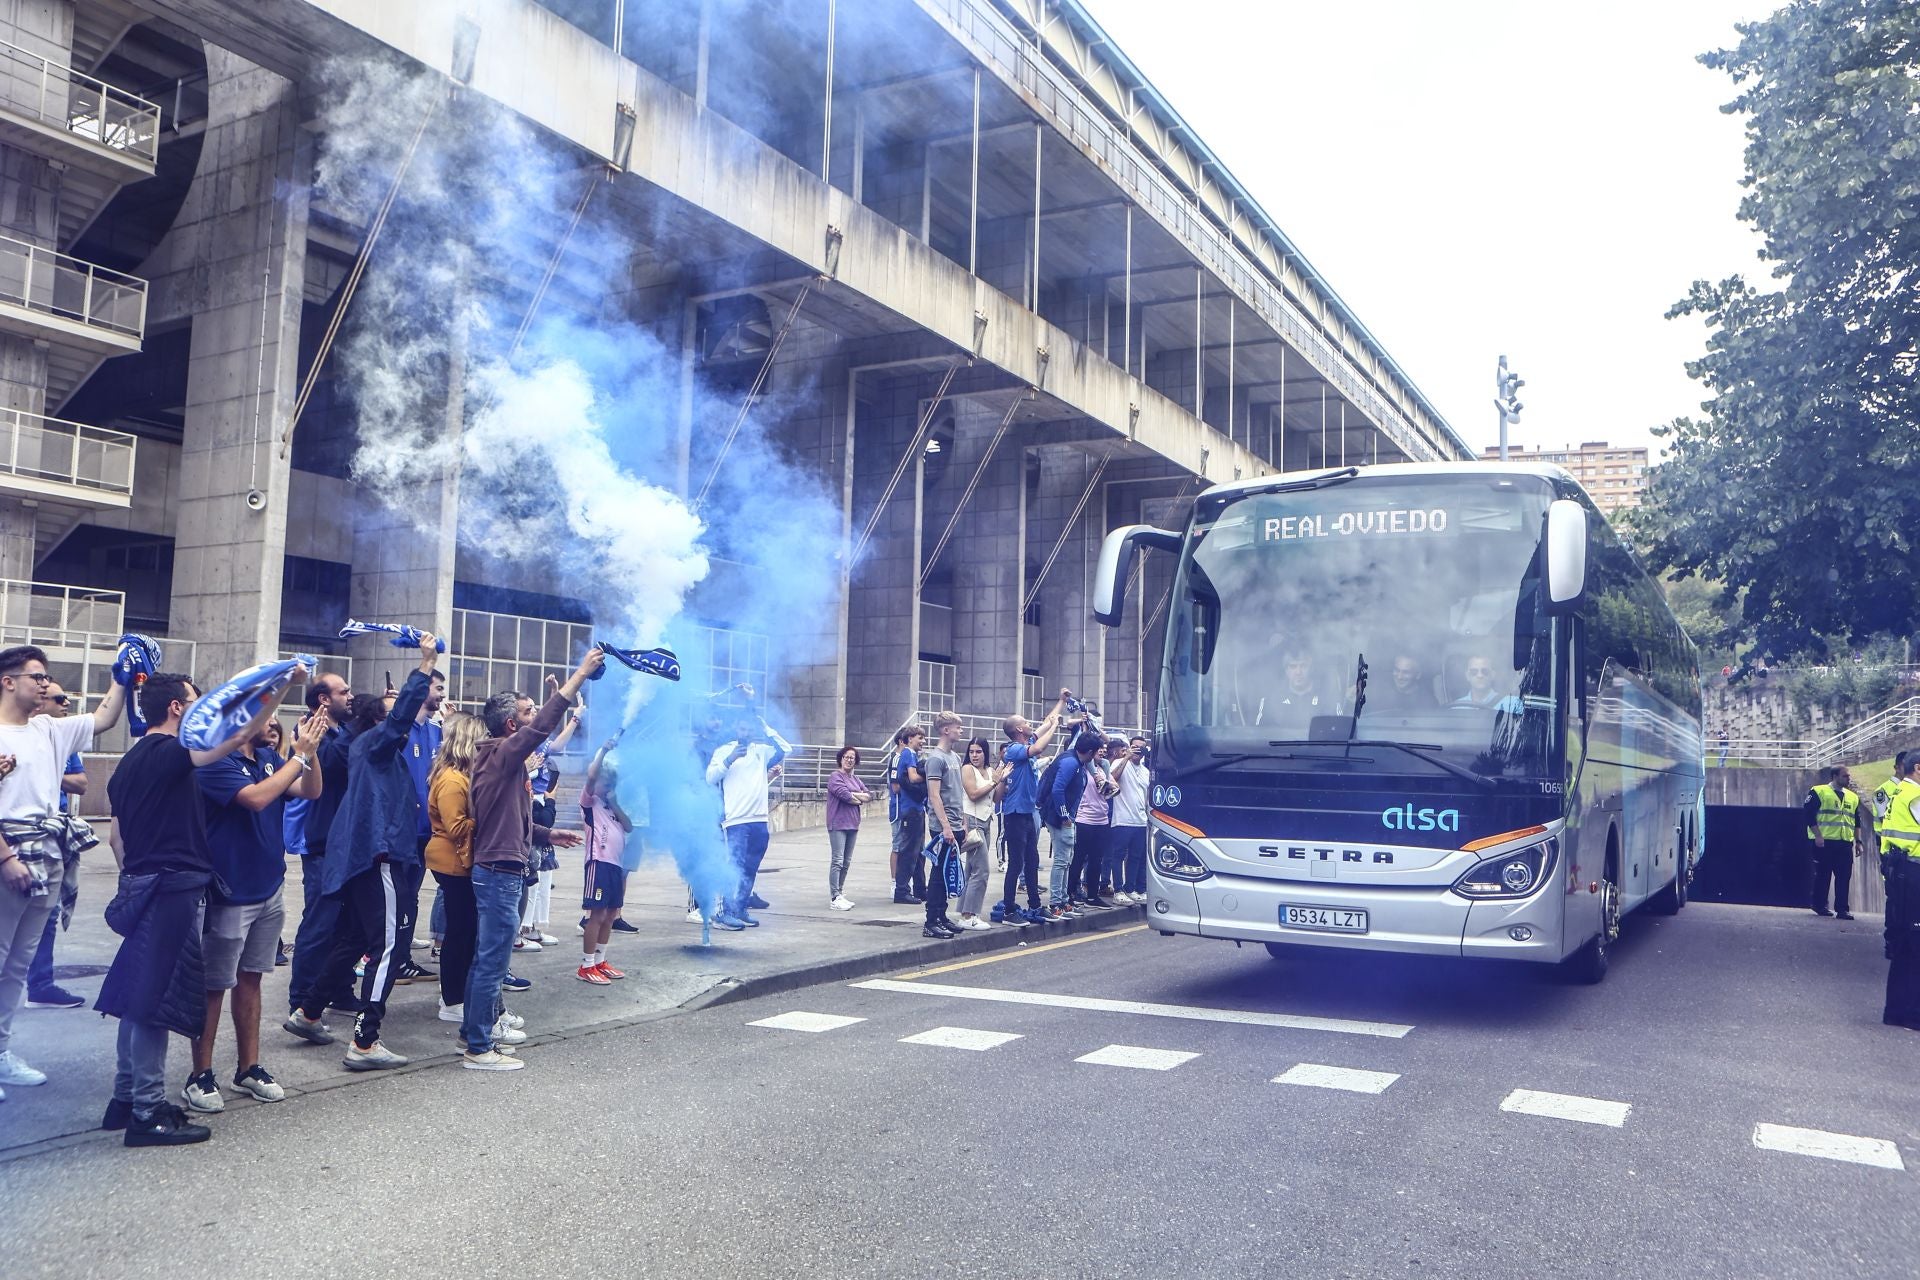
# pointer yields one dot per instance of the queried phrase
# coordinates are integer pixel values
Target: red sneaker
(594, 976)
(608, 970)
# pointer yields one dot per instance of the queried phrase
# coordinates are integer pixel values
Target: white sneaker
(693, 915)
(841, 904)
(490, 1061)
(973, 922)
(452, 1012)
(378, 1058)
(504, 1034)
(548, 940)
(421, 944)
(512, 1019)
(14, 1071)
(203, 1093)
(525, 944)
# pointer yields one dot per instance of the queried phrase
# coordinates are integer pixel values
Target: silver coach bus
(1427, 708)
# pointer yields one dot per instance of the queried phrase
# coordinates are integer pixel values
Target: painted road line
(1191, 1013)
(1352, 1079)
(1877, 1152)
(1023, 950)
(961, 1038)
(1567, 1106)
(798, 1021)
(1128, 1055)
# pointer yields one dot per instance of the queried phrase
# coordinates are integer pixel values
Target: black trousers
(367, 911)
(407, 879)
(1833, 862)
(1023, 856)
(313, 942)
(1089, 854)
(456, 948)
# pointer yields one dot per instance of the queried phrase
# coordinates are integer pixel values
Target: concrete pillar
(985, 553)
(247, 216)
(1071, 654)
(883, 629)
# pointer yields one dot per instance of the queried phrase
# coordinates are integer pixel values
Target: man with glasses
(35, 858)
(42, 991)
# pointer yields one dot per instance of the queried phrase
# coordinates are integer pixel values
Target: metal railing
(996, 42)
(50, 614)
(1811, 753)
(53, 93)
(42, 448)
(56, 284)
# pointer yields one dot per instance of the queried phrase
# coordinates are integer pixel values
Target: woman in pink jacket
(845, 794)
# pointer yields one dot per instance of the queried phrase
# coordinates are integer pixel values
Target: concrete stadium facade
(1001, 299)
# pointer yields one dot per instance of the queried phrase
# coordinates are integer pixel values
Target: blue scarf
(135, 662)
(404, 636)
(215, 717)
(946, 864)
(660, 662)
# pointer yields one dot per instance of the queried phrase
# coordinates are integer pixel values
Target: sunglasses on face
(61, 701)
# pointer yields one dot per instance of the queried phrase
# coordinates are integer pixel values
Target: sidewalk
(800, 942)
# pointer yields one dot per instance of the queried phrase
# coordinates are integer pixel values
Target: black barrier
(1755, 855)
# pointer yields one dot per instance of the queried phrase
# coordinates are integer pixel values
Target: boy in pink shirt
(605, 891)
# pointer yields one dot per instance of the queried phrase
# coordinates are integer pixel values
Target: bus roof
(1545, 470)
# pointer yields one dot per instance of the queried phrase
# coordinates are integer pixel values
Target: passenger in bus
(1406, 691)
(1481, 695)
(1300, 697)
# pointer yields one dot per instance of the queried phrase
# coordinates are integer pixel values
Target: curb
(726, 991)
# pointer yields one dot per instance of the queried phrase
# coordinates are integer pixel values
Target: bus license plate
(1325, 919)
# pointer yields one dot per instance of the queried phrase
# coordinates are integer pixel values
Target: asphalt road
(707, 1144)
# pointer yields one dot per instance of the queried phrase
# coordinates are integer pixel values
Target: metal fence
(70, 289)
(1812, 753)
(53, 93)
(42, 448)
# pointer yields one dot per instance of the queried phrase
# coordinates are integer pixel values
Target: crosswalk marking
(961, 1038)
(1129, 1055)
(1193, 1013)
(1352, 1079)
(1567, 1106)
(1877, 1152)
(799, 1021)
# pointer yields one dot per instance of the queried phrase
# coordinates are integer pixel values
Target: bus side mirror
(1566, 576)
(1116, 566)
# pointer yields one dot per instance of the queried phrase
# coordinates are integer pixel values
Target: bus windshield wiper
(1428, 751)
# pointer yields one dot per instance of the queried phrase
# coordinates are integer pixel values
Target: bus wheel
(1588, 965)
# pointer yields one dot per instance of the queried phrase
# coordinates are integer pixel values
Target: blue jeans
(747, 844)
(1062, 863)
(40, 968)
(496, 905)
(1133, 848)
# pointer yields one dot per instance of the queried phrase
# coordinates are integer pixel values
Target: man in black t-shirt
(159, 837)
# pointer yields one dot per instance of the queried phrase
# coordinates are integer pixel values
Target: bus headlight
(1171, 858)
(1511, 875)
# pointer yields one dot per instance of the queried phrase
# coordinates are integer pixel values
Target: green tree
(1800, 487)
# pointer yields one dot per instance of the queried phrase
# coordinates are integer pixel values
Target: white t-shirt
(39, 748)
(1130, 803)
(743, 784)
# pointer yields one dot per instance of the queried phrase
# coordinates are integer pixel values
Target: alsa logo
(1408, 818)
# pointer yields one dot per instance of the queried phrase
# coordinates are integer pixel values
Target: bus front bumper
(1415, 921)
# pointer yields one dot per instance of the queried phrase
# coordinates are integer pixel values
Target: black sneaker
(348, 1004)
(756, 903)
(513, 982)
(283, 958)
(1821, 911)
(1843, 915)
(54, 997)
(409, 973)
(164, 1126)
(905, 900)
(118, 1114)
(1101, 904)
(950, 924)
(621, 926)
(936, 931)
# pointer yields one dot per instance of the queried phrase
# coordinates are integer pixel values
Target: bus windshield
(1432, 580)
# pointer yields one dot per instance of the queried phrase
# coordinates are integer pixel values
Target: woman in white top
(979, 778)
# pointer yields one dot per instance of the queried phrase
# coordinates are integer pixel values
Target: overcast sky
(1478, 177)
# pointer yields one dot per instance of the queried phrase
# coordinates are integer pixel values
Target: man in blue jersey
(1019, 810)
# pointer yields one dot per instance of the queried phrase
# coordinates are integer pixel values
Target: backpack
(1043, 799)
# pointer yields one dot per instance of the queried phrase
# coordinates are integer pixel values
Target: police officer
(1883, 800)
(1900, 843)
(1833, 810)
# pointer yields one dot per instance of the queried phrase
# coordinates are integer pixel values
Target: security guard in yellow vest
(1900, 839)
(1833, 811)
(1883, 800)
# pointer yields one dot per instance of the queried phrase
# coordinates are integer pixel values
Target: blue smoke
(570, 458)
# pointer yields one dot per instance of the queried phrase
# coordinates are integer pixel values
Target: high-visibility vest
(1883, 801)
(1838, 816)
(1900, 833)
